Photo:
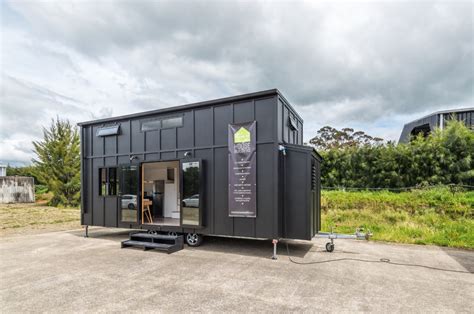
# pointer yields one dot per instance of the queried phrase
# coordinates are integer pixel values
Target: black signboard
(242, 170)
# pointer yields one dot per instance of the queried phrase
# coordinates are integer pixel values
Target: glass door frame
(137, 223)
(201, 191)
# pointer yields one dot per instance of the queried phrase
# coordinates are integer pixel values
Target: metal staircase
(147, 241)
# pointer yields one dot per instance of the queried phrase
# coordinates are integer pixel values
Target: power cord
(382, 260)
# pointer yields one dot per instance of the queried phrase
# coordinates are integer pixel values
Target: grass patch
(37, 216)
(435, 216)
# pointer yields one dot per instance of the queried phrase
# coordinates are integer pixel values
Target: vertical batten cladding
(285, 134)
(204, 134)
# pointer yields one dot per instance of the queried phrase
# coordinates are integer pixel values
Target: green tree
(58, 162)
(443, 157)
(26, 171)
(329, 138)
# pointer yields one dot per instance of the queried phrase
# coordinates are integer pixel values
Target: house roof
(193, 106)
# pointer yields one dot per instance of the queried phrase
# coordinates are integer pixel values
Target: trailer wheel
(193, 239)
(329, 247)
(172, 234)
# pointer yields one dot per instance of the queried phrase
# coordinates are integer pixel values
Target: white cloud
(372, 66)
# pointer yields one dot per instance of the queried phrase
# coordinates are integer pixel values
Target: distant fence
(17, 190)
(452, 187)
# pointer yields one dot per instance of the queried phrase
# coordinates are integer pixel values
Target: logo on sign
(242, 136)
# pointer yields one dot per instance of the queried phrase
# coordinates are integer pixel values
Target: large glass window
(191, 193)
(108, 181)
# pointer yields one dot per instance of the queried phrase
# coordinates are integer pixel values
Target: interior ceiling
(161, 165)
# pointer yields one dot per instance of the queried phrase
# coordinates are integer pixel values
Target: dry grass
(33, 218)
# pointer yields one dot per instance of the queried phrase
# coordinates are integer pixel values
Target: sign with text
(242, 170)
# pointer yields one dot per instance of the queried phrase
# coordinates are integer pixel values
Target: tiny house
(234, 167)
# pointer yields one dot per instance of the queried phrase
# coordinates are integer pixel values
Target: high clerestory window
(108, 130)
(108, 181)
(161, 123)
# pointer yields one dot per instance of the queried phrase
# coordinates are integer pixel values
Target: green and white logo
(242, 136)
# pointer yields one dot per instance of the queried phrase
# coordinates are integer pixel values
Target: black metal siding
(204, 134)
(297, 209)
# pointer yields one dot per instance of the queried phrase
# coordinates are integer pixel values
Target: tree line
(356, 160)
(351, 159)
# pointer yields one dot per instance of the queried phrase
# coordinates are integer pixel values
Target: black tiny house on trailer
(234, 166)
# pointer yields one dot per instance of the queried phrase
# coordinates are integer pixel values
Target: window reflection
(191, 195)
(128, 192)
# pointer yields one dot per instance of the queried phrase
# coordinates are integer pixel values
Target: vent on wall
(108, 130)
(314, 177)
(292, 123)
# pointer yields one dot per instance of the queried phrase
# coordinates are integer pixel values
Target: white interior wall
(158, 171)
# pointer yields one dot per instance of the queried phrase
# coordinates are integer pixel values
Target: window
(292, 123)
(151, 125)
(162, 123)
(191, 206)
(108, 130)
(108, 181)
(174, 122)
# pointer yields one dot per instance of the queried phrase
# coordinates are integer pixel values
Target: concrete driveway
(64, 272)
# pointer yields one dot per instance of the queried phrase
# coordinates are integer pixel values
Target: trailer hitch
(358, 235)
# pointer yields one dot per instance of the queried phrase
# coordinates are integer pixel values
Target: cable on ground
(382, 261)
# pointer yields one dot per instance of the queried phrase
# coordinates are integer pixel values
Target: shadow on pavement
(464, 257)
(250, 247)
(116, 235)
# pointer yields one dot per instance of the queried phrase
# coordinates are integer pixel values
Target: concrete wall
(17, 190)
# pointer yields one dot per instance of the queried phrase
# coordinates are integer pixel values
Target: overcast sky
(370, 66)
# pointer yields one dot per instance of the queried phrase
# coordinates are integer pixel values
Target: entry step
(160, 242)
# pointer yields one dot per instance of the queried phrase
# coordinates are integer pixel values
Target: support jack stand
(358, 235)
(86, 235)
(275, 243)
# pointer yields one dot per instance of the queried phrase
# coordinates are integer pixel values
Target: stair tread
(148, 244)
(153, 236)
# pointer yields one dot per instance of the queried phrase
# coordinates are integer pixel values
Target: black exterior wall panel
(222, 118)
(152, 141)
(137, 137)
(203, 124)
(123, 140)
(185, 133)
(265, 200)
(204, 134)
(266, 127)
(97, 200)
(223, 224)
(208, 210)
(168, 139)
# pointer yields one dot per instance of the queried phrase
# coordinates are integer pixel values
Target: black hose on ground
(382, 260)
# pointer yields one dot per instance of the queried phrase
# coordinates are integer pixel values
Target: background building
(437, 119)
(3, 170)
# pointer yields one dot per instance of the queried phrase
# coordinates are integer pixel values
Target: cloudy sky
(370, 66)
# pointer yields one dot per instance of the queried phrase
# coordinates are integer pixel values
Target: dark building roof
(437, 119)
(195, 105)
